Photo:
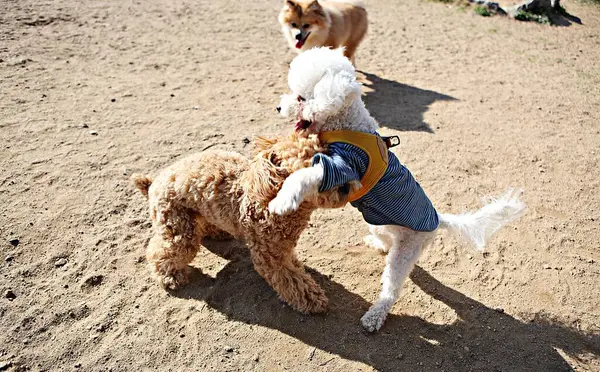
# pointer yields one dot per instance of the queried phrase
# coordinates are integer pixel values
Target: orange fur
(218, 192)
(330, 23)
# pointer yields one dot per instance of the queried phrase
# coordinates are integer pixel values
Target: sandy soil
(91, 91)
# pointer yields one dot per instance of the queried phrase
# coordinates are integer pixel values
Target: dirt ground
(91, 91)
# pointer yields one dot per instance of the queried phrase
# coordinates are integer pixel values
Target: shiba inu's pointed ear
(314, 5)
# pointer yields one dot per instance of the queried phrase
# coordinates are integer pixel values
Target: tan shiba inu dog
(312, 23)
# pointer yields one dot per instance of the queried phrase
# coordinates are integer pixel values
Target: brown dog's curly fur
(218, 192)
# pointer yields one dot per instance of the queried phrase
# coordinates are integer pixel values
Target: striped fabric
(397, 199)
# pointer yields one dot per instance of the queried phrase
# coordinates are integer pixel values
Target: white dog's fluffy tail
(477, 227)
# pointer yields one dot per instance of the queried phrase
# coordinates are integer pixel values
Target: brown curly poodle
(216, 193)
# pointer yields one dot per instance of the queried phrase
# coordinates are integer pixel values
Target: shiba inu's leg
(350, 50)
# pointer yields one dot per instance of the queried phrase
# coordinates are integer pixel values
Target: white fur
(325, 79)
(296, 187)
(404, 249)
(478, 227)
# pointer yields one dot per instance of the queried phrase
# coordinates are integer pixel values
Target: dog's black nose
(278, 108)
(299, 36)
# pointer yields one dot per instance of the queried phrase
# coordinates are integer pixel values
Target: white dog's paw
(374, 318)
(284, 204)
(375, 243)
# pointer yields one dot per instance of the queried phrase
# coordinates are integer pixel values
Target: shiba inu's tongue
(300, 43)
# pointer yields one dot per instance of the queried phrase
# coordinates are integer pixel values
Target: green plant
(532, 17)
(482, 11)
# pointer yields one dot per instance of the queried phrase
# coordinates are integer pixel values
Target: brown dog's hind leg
(175, 245)
(282, 271)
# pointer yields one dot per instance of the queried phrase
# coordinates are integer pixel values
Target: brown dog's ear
(291, 3)
(263, 179)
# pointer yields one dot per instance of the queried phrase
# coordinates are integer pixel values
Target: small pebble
(93, 281)
(78, 365)
(113, 100)
(14, 242)
(5, 365)
(228, 349)
(500, 310)
(10, 295)
(256, 358)
(547, 267)
(60, 262)
(84, 125)
(8, 258)
(93, 132)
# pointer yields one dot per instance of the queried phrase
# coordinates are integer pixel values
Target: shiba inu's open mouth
(300, 43)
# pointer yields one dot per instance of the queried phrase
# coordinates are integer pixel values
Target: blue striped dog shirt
(397, 199)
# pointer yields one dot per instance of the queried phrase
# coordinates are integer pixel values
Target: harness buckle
(391, 141)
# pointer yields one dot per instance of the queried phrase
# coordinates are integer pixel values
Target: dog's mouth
(300, 43)
(303, 124)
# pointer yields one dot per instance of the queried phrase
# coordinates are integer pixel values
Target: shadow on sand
(398, 106)
(481, 339)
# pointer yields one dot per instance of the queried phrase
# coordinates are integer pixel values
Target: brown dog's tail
(141, 182)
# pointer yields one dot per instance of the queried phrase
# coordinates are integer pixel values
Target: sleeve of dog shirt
(336, 171)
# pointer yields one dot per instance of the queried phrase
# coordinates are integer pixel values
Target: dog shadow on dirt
(481, 339)
(398, 106)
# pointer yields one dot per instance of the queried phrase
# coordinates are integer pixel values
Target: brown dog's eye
(301, 99)
(294, 25)
(306, 26)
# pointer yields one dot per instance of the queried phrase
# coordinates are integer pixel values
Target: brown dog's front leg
(288, 278)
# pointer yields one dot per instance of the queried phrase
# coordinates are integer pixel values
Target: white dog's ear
(332, 91)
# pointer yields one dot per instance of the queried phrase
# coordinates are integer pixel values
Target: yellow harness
(376, 149)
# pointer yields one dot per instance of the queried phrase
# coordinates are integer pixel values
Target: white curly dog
(326, 99)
